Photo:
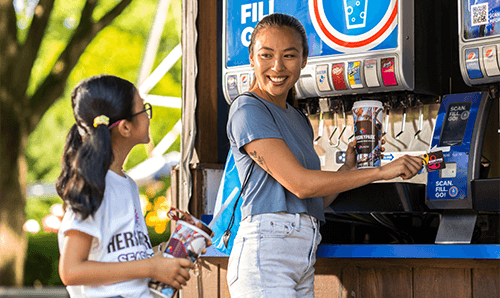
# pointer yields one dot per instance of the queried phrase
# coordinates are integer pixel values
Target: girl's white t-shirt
(119, 234)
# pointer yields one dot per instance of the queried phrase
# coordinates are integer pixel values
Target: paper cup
(187, 241)
(367, 116)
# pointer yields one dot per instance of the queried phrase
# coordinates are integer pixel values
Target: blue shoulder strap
(227, 233)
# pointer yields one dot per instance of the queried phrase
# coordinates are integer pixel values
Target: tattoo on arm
(260, 161)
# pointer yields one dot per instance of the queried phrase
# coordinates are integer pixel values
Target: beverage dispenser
(356, 47)
(467, 129)
(397, 52)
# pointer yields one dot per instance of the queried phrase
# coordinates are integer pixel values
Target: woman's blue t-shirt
(249, 120)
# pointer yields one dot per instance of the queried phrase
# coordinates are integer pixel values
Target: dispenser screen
(454, 124)
(480, 18)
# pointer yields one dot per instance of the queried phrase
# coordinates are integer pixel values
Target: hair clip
(101, 120)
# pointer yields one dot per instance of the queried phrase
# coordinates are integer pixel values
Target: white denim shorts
(273, 256)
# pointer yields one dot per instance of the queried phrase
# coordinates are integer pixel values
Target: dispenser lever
(343, 126)
(324, 106)
(386, 121)
(335, 127)
(420, 121)
(402, 124)
(320, 129)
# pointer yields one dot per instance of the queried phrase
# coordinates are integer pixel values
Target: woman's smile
(277, 60)
(277, 80)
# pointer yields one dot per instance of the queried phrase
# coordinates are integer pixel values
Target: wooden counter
(439, 275)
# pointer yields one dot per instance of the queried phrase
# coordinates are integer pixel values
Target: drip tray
(486, 194)
(382, 197)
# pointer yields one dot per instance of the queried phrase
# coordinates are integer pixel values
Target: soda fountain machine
(404, 54)
(467, 128)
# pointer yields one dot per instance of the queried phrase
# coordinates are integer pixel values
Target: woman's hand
(172, 271)
(350, 157)
(405, 167)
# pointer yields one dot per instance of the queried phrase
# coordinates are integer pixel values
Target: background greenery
(117, 50)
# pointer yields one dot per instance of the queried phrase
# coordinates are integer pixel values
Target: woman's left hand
(350, 157)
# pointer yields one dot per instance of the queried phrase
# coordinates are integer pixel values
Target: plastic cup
(187, 241)
(367, 116)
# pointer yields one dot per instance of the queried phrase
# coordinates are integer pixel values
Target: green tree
(37, 62)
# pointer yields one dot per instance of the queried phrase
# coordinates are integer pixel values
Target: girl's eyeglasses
(148, 109)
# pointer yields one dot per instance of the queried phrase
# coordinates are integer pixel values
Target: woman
(283, 203)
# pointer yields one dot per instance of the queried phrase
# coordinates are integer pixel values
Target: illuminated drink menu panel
(480, 18)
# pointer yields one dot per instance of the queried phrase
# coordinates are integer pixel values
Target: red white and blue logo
(363, 26)
(333, 27)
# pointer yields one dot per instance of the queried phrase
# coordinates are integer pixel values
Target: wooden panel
(207, 84)
(385, 282)
(195, 204)
(442, 283)
(485, 283)
(224, 289)
(374, 278)
(204, 279)
(327, 279)
(350, 282)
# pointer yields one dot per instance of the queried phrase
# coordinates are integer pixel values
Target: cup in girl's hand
(187, 241)
(367, 116)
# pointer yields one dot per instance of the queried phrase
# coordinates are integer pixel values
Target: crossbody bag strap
(227, 233)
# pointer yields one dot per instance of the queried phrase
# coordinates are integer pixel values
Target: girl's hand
(405, 167)
(172, 271)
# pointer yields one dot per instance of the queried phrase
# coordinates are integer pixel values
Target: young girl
(283, 203)
(103, 240)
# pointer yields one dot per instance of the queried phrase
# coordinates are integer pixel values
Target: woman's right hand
(405, 167)
(172, 271)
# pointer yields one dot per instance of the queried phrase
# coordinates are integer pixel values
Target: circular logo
(453, 191)
(489, 53)
(464, 115)
(471, 56)
(337, 69)
(353, 43)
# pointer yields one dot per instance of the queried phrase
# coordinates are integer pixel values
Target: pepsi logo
(471, 56)
(244, 79)
(489, 53)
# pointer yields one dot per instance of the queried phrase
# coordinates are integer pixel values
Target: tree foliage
(41, 59)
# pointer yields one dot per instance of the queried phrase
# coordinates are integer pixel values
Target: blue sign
(452, 134)
(333, 27)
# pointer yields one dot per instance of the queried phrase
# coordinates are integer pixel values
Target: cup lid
(195, 228)
(367, 104)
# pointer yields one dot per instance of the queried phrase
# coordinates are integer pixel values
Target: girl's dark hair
(88, 154)
(278, 20)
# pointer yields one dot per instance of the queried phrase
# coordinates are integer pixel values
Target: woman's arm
(76, 269)
(274, 156)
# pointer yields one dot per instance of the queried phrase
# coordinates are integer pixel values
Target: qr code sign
(479, 14)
